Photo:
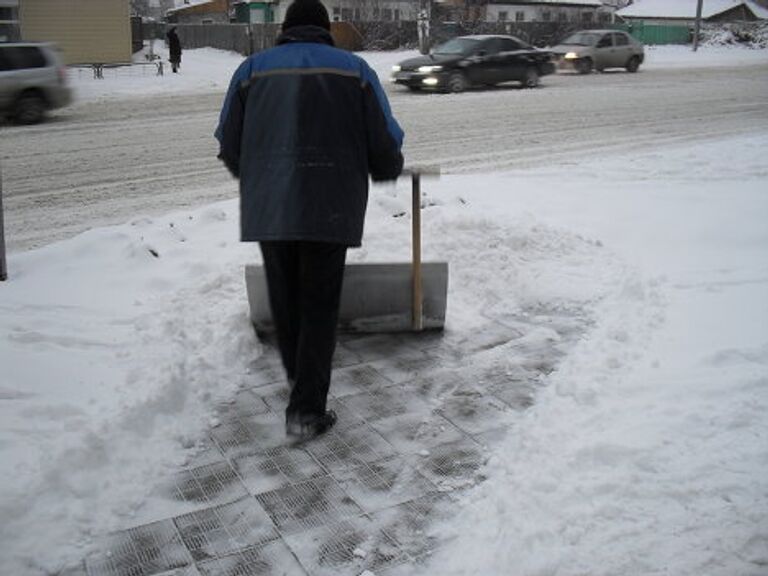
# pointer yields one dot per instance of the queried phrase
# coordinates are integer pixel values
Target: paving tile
(491, 335)
(342, 448)
(371, 347)
(203, 453)
(315, 502)
(491, 438)
(383, 403)
(208, 485)
(346, 417)
(77, 570)
(244, 403)
(414, 433)
(474, 412)
(142, 551)
(271, 559)
(249, 434)
(518, 395)
(346, 548)
(408, 523)
(185, 571)
(266, 369)
(432, 386)
(409, 365)
(221, 530)
(383, 484)
(343, 356)
(356, 379)
(277, 467)
(275, 396)
(452, 466)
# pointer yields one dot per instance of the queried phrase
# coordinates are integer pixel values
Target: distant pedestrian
(174, 49)
(303, 126)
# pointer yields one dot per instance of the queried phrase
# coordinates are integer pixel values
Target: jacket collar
(315, 34)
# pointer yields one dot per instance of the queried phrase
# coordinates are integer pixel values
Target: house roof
(686, 8)
(184, 5)
(595, 3)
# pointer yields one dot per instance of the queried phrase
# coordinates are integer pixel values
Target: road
(106, 162)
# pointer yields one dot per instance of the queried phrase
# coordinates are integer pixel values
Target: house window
(604, 17)
(357, 14)
(562, 17)
(386, 14)
(586, 17)
(397, 15)
(546, 16)
(346, 14)
(519, 16)
(503, 16)
(336, 13)
(207, 20)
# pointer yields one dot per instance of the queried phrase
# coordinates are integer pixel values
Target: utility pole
(697, 25)
(3, 265)
(422, 23)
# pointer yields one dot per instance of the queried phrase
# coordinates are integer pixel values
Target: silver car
(33, 79)
(599, 49)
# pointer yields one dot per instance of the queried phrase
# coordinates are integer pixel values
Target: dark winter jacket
(174, 46)
(303, 126)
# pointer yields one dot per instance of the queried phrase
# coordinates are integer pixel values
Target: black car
(475, 61)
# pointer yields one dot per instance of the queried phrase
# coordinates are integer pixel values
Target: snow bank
(646, 451)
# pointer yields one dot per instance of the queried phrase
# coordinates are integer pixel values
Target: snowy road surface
(104, 162)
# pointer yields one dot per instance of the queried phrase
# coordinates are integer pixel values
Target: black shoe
(307, 427)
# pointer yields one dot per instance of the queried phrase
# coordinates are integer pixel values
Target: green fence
(658, 34)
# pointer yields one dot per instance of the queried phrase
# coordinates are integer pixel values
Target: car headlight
(571, 56)
(396, 68)
(428, 69)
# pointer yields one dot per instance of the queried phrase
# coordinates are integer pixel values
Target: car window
(21, 57)
(605, 42)
(510, 45)
(620, 39)
(581, 39)
(5, 62)
(491, 46)
(457, 46)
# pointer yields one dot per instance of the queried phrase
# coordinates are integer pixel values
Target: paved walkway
(418, 415)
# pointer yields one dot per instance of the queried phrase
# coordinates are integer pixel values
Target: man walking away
(174, 49)
(303, 126)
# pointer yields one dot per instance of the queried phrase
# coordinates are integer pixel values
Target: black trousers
(304, 281)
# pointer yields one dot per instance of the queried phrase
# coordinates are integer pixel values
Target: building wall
(537, 13)
(213, 12)
(367, 10)
(86, 31)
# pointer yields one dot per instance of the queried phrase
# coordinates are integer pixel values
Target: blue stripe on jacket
(303, 55)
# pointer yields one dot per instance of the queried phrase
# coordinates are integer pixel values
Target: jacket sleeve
(384, 135)
(230, 129)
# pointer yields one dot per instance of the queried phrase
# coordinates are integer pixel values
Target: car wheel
(531, 79)
(29, 109)
(584, 66)
(457, 82)
(633, 64)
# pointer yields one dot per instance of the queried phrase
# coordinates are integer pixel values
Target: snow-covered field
(646, 453)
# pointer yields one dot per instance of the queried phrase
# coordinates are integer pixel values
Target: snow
(207, 70)
(685, 8)
(645, 453)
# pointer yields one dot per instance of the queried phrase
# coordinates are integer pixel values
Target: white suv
(33, 79)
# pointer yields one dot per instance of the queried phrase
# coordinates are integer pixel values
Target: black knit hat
(306, 13)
